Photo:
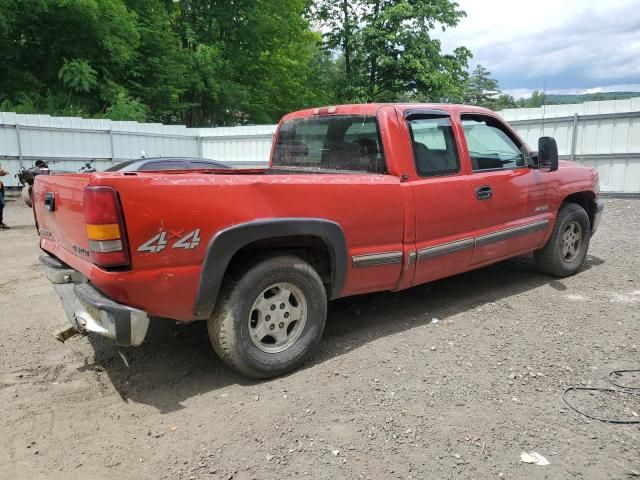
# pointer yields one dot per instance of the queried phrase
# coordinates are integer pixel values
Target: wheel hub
(571, 241)
(277, 317)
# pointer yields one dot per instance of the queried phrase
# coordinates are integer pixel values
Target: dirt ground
(391, 392)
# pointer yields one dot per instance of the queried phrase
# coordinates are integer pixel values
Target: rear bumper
(90, 310)
(597, 217)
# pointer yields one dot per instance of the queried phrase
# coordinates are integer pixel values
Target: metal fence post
(113, 154)
(574, 136)
(19, 143)
(199, 140)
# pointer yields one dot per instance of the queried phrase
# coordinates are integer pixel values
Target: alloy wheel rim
(571, 241)
(277, 317)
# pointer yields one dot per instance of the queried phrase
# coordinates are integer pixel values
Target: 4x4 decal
(158, 242)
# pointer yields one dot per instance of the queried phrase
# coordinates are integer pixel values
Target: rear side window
(198, 165)
(434, 147)
(164, 165)
(491, 146)
(336, 142)
(121, 166)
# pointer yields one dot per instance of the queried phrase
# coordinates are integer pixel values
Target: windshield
(336, 142)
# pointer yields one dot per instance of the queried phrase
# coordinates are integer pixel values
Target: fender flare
(226, 243)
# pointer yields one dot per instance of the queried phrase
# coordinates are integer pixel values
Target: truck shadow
(176, 362)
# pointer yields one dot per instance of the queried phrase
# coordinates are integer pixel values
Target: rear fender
(226, 243)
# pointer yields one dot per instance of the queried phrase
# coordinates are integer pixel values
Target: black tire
(551, 258)
(229, 325)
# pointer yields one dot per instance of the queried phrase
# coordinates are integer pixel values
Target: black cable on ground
(600, 389)
(615, 372)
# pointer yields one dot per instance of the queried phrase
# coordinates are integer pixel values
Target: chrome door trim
(376, 259)
(467, 243)
(500, 235)
(390, 258)
(445, 248)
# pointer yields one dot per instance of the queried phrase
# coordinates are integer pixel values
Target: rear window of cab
(331, 143)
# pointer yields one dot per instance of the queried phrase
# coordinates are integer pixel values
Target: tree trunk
(374, 58)
(346, 40)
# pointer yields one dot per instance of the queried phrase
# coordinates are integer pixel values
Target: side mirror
(548, 153)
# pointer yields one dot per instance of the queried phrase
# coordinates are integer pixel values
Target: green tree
(388, 51)
(537, 99)
(253, 60)
(481, 88)
(126, 108)
(77, 75)
(221, 62)
(160, 68)
(342, 21)
(38, 35)
(504, 101)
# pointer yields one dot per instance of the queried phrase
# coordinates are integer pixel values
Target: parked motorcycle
(26, 176)
(88, 167)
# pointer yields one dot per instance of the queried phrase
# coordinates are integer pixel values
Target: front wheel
(567, 247)
(269, 317)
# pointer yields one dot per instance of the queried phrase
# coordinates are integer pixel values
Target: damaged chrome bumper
(90, 310)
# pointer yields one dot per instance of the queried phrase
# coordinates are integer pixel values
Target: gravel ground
(449, 380)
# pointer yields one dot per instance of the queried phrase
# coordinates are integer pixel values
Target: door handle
(484, 192)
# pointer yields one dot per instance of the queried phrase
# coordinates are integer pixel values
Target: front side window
(491, 146)
(434, 147)
(336, 142)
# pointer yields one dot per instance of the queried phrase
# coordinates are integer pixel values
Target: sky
(576, 46)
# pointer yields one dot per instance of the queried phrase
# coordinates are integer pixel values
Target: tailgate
(58, 207)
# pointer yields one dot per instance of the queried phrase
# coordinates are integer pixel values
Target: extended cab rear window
(434, 146)
(335, 142)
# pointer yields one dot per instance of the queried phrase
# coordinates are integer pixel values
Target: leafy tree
(537, 99)
(126, 108)
(481, 88)
(342, 19)
(40, 34)
(160, 67)
(77, 75)
(221, 62)
(504, 101)
(388, 51)
(252, 60)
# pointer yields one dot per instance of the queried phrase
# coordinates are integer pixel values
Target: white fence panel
(67, 143)
(244, 146)
(605, 135)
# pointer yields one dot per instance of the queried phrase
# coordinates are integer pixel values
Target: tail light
(105, 227)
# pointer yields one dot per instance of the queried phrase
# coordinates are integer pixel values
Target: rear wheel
(567, 247)
(269, 317)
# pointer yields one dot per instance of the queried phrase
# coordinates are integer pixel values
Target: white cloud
(526, 92)
(572, 43)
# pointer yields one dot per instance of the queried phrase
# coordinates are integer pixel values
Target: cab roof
(372, 109)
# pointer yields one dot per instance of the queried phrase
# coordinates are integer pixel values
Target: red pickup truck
(356, 199)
